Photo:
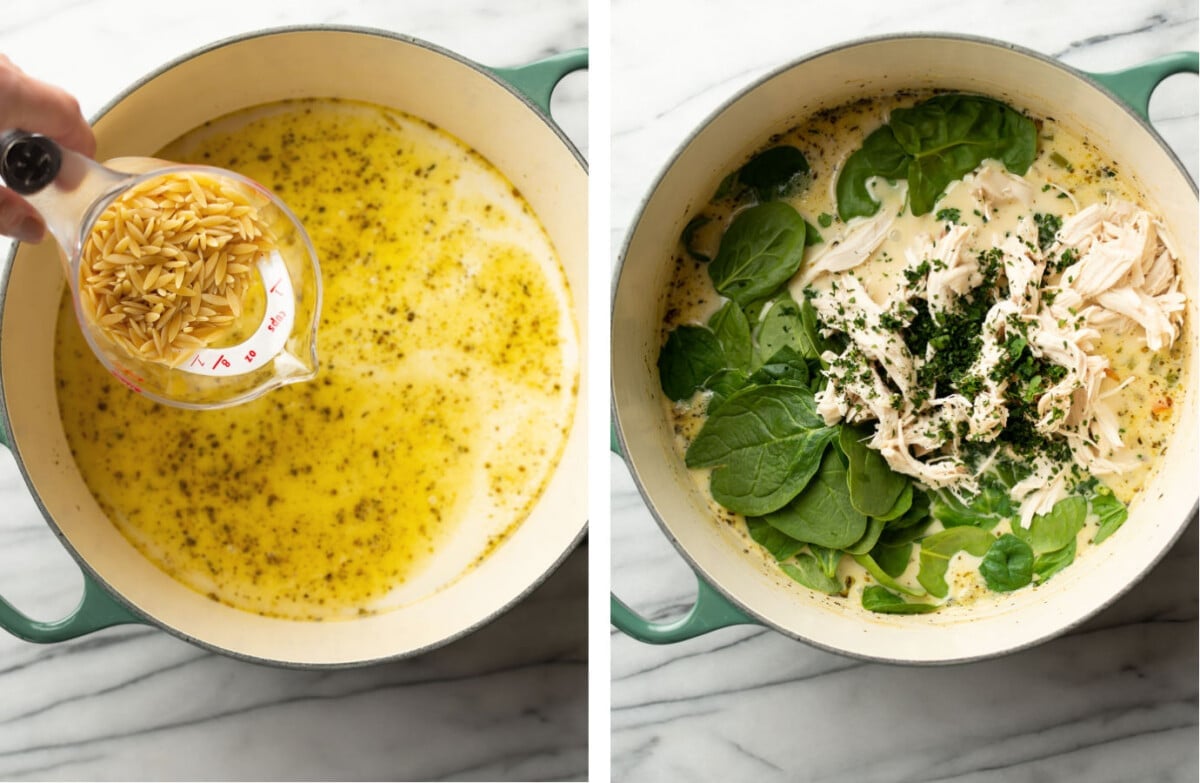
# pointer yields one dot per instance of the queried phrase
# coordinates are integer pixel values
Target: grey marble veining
(506, 703)
(1115, 700)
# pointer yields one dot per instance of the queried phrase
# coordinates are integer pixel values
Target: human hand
(35, 106)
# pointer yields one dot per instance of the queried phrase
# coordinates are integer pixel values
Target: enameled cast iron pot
(502, 113)
(1111, 110)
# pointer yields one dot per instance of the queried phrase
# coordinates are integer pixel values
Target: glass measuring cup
(268, 342)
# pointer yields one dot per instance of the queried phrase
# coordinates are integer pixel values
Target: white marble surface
(507, 703)
(1113, 701)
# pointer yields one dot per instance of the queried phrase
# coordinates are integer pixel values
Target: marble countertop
(506, 703)
(1115, 700)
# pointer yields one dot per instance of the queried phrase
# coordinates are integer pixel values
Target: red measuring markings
(250, 356)
(277, 282)
(221, 361)
(276, 320)
(197, 360)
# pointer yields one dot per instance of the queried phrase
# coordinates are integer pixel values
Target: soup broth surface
(446, 387)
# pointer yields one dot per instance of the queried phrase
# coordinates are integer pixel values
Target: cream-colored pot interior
(361, 65)
(1018, 619)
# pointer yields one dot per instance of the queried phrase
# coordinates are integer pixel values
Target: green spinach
(865, 544)
(1008, 564)
(1112, 513)
(732, 329)
(785, 366)
(822, 513)
(781, 328)
(807, 571)
(937, 549)
(878, 599)
(780, 546)
(723, 384)
(829, 559)
(892, 559)
(691, 355)
(874, 487)
(775, 173)
(984, 510)
(1052, 531)
(885, 579)
(765, 443)
(933, 144)
(1049, 564)
(760, 251)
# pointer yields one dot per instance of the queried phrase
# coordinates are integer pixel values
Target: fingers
(35, 106)
(17, 219)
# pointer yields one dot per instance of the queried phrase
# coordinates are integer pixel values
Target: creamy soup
(1066, 176)
(447, 381)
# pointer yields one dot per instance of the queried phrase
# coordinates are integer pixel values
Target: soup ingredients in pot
(448, 382)
(959, 386)
(166, 266)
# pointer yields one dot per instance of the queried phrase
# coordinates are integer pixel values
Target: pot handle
(537, 80)
(96, 610)
(1135, 85)
(712, 611)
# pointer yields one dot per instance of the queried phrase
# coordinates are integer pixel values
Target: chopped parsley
(950, 215)
(1047, 225)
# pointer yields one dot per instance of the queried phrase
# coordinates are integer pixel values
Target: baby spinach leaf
(829, 559)
(775, 173)
(785, 366)
(992, 504)
(766, 444)
(878, 599)
(815, 344)
(892, 559)
(902, 505)
(874, 487)
(808, 572)
(760, 251)
(1052, 531)
(865, 544)
(732, 329)
(811, 235)
(880, 156)
(867, 562)
(1049, 564)
(782, 328)
(948, 136)
(937, 549)
(1008, 565)
(691, 355)
(933, 144)
(723, 384)
(1112, 513)
(917, 513)
(780, 546)
(822, 513)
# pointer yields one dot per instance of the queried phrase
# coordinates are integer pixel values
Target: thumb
(19, 220)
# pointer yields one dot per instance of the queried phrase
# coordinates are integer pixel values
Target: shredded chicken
(1111, 265)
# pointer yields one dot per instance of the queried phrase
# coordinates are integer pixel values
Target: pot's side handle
(538, 79)
(711, 612)
(97, 609)
(1135, 85)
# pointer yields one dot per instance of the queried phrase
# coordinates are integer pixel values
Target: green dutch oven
(503, 113)
(1109, 108)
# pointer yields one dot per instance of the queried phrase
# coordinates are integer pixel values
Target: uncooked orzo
(167, 264)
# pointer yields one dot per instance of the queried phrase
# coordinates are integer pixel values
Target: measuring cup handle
(96, 610)
(537, 80)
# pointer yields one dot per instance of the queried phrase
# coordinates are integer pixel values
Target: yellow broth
(447, 381)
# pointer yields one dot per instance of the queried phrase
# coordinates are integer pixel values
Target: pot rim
(619, 431)
(5, 419)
